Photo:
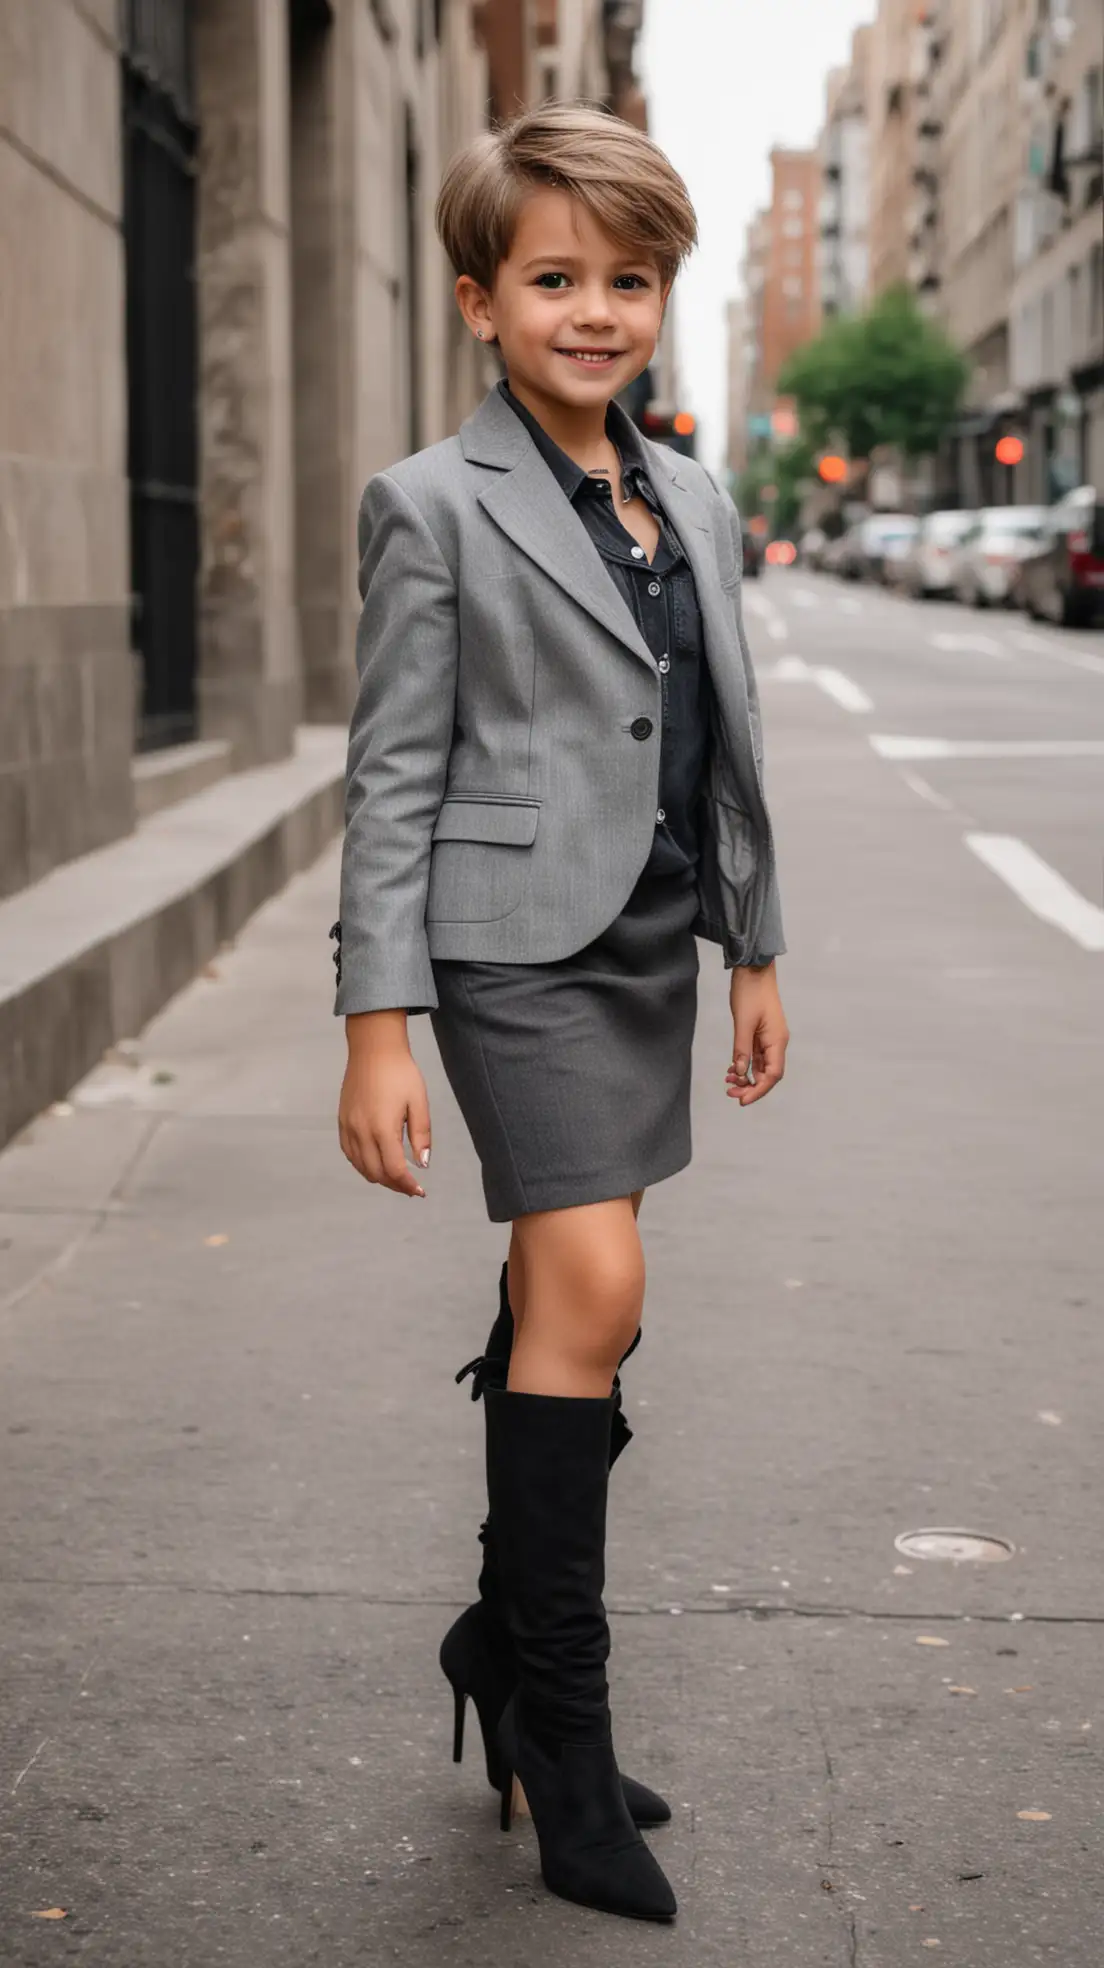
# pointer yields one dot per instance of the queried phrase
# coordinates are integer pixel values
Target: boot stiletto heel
(461, 1702)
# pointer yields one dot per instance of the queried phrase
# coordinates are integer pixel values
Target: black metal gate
(159, 191)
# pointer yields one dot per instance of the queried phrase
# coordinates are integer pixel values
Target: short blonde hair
(624, 180)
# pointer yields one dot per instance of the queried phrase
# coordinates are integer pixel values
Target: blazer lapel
(724, 656)
(531, 509)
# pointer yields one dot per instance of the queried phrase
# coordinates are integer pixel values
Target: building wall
(66, 675)
(844, 150)
(1057, 303)
(891, 120)
(979, 108)
(791, 300)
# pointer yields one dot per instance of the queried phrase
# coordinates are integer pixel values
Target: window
(793, 228)
(1096, 298)
(793, 200)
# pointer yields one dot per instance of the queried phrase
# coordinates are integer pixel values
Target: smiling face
(575, 312)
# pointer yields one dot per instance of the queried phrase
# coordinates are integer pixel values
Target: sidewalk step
(90, 953)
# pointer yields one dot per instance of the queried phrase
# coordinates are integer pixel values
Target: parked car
(927, 567)
(988, 557)
(1062, 578)
(884, 539)
(811, 546)
(842, 556)
(753, 554)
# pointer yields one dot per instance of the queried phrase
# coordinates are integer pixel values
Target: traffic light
(677, 428)
(1009, 450)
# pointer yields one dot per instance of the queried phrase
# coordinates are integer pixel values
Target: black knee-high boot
(547, 1478)
(477, 1653)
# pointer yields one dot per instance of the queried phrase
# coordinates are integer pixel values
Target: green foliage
(889, 376)
(788, 468)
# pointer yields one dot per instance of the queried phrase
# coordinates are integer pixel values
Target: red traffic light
(833, 470)
(1010, 450)
(685, 424)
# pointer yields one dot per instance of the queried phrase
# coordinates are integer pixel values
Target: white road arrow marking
(1041, 888)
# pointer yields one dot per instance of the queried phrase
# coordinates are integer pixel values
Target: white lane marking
(1078, 659)
(849, 605)
(927, 792)
(971, 643)
(776, 627)
(1040, 887)
(985, 748)
(801, 598)
(788, 669)
(840, 687)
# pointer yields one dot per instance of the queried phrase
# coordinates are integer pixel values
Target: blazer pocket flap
(511, 823)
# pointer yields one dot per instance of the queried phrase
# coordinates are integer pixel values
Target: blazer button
(641, 727)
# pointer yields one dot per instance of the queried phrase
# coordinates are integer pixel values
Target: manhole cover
(957, 1547)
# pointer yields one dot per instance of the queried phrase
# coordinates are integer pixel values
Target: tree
(889, 376)
(788, 468)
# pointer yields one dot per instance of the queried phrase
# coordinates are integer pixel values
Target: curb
(93, 951)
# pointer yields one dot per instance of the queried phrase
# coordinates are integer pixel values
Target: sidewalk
(240, 1493)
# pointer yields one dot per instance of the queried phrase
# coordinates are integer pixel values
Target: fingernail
(424, 1158)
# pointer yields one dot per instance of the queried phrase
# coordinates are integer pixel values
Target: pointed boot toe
(646, 1807)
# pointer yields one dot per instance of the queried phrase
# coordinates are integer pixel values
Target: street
(241, 1491)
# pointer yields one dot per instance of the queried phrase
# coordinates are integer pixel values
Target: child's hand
(760, 1035)
(382, 1089)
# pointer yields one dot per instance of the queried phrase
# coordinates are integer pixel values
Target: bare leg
(582, 1276)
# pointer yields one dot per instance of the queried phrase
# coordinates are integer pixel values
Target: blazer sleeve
(772, 941)
(400, 736)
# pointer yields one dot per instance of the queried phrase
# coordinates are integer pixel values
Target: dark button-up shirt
(663, 601)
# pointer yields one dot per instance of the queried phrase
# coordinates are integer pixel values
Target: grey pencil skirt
(574, 1077)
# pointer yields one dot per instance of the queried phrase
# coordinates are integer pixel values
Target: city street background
(242, 1490)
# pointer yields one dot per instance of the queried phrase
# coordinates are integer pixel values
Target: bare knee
(584, 1280)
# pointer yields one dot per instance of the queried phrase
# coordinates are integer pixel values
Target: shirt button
(660, 817)
(638, 553)
(664, 665)
(654, 588)
(641, 727)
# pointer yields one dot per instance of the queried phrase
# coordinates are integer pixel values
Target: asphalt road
(240, 1491)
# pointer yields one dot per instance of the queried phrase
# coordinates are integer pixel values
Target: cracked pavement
(240, 1492)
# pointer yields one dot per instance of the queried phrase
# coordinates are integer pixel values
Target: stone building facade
(844, 258)
(225, 307)
(1057, 301)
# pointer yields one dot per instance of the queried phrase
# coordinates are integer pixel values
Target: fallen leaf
(1027, 1690)
(902, 1571)
(931, 1943)
(1034, 1817)
(52, 1913)
(221, 1238)
(826, 1886)
(163, 1078)
(964, 1876)
(916, 1909)
(962, 1691)
(930, 1640)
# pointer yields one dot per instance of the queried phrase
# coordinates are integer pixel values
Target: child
(554, 786)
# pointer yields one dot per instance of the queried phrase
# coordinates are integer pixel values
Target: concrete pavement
(240, 1491)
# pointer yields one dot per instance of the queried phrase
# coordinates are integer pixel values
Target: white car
(929, 565)
(988, 556)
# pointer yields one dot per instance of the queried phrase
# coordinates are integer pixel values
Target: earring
(480, 334)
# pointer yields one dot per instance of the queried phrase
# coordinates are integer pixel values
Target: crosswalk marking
(1041, 888)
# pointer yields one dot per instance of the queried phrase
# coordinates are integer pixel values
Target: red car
(1062, 580)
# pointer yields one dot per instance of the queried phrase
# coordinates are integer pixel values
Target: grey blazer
(503, 766)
